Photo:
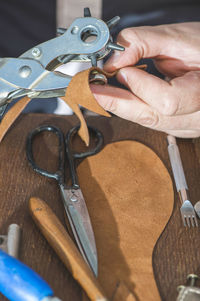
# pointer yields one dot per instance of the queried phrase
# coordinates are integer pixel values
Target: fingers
(123, 104)
(179, 96)
(147, 87)
(174, 47)
(140, 42)
(126, 105)
(189, 122)
(173, 106)
(185, 133)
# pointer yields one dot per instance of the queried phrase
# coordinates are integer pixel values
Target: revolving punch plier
(33, 73)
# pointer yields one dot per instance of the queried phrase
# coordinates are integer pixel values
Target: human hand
(170, 106)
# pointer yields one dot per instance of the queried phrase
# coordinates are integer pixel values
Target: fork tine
(188, 215)
(188, 220)
(195, 221)
(183, 219)
(192, 220)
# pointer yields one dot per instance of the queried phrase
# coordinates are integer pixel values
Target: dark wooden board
(176, 254)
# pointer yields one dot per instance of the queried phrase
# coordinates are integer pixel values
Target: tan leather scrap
(129, 195)
(123, 293)
(77, 93)
(12, 115)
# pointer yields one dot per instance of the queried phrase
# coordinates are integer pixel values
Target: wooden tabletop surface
(176, 254)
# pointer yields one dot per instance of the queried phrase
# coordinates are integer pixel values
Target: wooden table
(176, 254)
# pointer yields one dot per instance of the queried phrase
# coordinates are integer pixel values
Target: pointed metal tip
(95, 271)
(184, 221)
(113, 46)
(93, 60)
(113, 22)
(87, 12)
(93, 264)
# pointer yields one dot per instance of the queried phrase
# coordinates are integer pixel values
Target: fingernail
(113, 60)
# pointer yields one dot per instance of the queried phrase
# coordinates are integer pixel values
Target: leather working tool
(73, 200)
(33, 74)
(189, 292)
(187, 210)
(61, 242)
(65, 248)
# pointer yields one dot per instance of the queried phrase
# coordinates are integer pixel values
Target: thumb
(140, 42)
(124, 104)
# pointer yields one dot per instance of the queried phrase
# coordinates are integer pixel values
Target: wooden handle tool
(65, 248)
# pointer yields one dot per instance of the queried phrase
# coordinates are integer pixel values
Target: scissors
(72, 197)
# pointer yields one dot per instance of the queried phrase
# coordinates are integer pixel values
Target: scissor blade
(80, 223)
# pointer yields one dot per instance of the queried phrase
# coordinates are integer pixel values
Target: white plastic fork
(187, 210)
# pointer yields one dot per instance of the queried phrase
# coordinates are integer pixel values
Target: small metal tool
(10, 243)
(33, 74)
(189, 292)
(187, 210)
(72, 197)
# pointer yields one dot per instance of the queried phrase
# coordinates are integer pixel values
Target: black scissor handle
(72, 156)
(29, 152)
(89, 152)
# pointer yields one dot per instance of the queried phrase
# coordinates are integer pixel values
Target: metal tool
(33, 74)
(187, 210)
(73, 200)
(10, 243)
(60, 241)
(190, 292)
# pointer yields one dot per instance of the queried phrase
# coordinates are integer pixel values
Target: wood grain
(175, 255)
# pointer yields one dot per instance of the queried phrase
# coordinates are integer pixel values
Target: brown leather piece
(12, 115)
(78, 93)
(130, 197)
(123, 293)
